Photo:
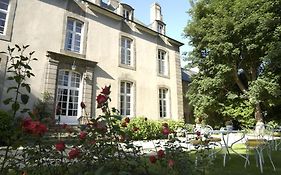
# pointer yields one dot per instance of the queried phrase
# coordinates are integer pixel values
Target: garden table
(227, 146)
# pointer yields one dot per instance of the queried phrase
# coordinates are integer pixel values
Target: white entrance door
(68, 97)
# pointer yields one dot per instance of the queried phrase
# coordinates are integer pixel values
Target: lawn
(235, 165)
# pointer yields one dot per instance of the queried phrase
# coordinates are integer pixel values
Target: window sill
(163, 76)
(5, 37)
(127, 66)
(73, 54)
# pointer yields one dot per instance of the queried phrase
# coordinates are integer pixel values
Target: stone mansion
(84, 45)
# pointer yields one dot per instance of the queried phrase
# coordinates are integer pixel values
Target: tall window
(162, 63)
(68, 93)
(126, 98)
(73, 41)
(126, 14)
(163, 102)
(4, 5)
(126, 51)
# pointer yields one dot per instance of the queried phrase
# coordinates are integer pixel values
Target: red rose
(60, 146)
(152, 159)
(165, 125)
(160, 154)
(101, 99)
(73, 153)
(165, 131)
(26, 124)
(33, 127)
(127, 120)
(41, 129)
(82, 135)
(198, 133)
(106, 90)
(82, 104)
(171, 163)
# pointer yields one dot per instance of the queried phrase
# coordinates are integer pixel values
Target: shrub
(141, 128)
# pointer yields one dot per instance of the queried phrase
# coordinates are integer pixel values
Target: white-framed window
(4, 7)
(74, 35)
(163, 102)
(126, 51)
(68, 93)
(162, 63)
(160, 28)
(126, 14)
(126, 98)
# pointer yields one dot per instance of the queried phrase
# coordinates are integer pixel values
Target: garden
(107, 144)
(32, 144)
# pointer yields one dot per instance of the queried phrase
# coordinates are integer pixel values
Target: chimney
(156, 19)
(155, 12)
(114, 3)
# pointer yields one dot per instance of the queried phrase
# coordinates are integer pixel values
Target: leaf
(18, 79)
(15, 106)
(7, 101)
(25, 46)
(24, 98)
(31, 53)
(10, 88)
(27, 66)
(35, 59)
(23, 58)
(18, 47)
(3, 52)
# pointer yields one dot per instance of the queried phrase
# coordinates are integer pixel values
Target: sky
(174, 14)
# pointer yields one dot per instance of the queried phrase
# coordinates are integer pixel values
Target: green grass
(235, 165)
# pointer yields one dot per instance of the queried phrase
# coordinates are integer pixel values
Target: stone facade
(110, 48)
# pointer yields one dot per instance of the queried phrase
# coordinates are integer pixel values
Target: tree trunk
(258, 113)
(238, 81)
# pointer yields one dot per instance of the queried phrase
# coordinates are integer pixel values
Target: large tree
(237, 48)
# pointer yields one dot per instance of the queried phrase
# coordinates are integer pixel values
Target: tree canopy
(237, 48)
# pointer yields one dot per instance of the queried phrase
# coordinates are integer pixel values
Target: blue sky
(174, 15)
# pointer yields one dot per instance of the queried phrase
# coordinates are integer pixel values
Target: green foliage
(6, 127)
(236, 46)
(150, 129)
(19, 71)
(42, 109)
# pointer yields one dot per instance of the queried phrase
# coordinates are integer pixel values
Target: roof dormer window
(127, 12)
(160, 28)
